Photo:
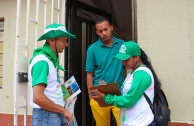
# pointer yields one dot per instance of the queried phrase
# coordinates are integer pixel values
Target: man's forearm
(43, 101)
(49, 105)
(89, 80)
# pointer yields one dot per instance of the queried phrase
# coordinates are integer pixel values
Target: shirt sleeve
(39, 73)
(90, 60)
(141, 81)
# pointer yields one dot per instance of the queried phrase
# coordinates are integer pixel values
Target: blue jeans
(153, 123)
(42, 117)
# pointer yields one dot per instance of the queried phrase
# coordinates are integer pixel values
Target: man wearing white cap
(46, 92)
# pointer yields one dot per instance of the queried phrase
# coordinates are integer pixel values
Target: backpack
(159, 108)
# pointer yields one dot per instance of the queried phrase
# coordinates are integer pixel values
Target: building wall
(8, 9)
(165, 31)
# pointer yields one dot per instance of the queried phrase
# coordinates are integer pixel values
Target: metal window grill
(21, 61)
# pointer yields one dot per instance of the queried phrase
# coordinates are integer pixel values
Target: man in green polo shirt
(101, 65)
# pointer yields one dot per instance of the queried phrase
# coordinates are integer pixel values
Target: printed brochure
(70, 88)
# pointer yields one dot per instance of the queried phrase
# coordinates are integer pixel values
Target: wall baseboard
(8, 120)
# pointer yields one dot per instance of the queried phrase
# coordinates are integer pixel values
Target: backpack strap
(149, 102)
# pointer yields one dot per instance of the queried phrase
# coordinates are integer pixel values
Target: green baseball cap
(56, 31)
(127, 50)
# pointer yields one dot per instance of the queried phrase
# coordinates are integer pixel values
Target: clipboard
(111, 88)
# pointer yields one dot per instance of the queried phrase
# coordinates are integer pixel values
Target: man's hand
(68, 116)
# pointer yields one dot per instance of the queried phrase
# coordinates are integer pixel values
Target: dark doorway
(80, 18)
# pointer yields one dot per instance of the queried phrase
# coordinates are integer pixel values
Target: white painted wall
(8, 11)
(166, 33)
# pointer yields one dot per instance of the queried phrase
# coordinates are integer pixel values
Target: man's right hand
(69, 116)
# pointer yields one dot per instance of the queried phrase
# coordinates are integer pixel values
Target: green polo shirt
(100, 60)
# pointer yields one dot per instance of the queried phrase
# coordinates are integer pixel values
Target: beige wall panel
(1, 59)
(1, 84)
(1, 70)
(7, 108)
(1, 36)
(1, 47)
(8, 11)
(165, 35)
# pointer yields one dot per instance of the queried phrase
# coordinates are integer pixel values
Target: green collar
(46, 50)
(115, 41)
(138, 67)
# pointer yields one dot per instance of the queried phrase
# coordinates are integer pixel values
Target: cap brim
(122, 56)
(56, 34)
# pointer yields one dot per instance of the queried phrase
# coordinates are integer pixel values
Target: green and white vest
(53, 89)
(140, 114)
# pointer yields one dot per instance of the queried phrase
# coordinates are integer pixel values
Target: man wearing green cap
(46, 92)
(101, 65)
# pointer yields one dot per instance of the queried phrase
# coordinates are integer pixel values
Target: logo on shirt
(122, 49)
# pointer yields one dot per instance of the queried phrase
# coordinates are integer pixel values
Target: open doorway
(81, 16)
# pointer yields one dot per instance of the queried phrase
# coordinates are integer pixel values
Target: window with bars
(1, 48)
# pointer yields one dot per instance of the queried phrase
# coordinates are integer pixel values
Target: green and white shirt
(135, 111)
(42, 70)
